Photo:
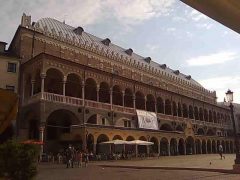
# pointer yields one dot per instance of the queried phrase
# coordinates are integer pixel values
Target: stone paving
(96, 171)
(210, 161)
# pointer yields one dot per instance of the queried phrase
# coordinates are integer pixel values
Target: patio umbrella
(116, 141)
(140, 142)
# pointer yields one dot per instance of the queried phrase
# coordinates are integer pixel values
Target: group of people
(78, 157)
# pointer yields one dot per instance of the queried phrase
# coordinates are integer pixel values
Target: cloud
(179, 19)
(152, 47)
(205, 25)
(222, 84)
(171, 29)
(197, 16)
(217, 58)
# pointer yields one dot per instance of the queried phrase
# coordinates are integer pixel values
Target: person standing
(86, 159)
(220, 150)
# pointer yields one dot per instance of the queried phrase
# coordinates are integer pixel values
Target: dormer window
(163, 66)
(147, 59)
(78, 30)
(188, 77)
(129, 51)
(176, 72)
(106, 41)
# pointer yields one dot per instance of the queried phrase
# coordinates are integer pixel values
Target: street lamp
(229, 96)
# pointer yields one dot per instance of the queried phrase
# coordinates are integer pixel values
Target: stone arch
(90, 143)
(210, 132)
(200, 131)
(181, 146)
(140, 100)
(214, 117)
(209, 147)
(160, 105)
(117, 137)
(54, 81)
(204, 147)
(214, 146)
(104, 92)
(179, 128)
(166, 127)
(150, 103)
(90, 89)
(92, 119)
(190, 112)
(73, 86)
(102, 148)
(201, 114)
(164, 147)
(174, 108)
(168, 107)
(128, 98)
(190, 145)
(198, 146)
(130, 138)
(205, 115)
(185, 111)
(179, 110)
(38, 81)
(59, 122)
(173, 147)
(196, 113)
(154, 147)
(210, 116)
(117, 95)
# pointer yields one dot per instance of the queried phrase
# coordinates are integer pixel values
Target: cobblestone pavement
(94, 171)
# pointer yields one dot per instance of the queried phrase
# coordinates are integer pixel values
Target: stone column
(123, 94)
(169, 154)
(111, 98)
(43, 76)
(41, 138)
(155, 104)
(83, 92)
(98, 87)
(159, 148)
(64, 85)
(185, 149)
(134, 101)
(32, 83)
(177, 149)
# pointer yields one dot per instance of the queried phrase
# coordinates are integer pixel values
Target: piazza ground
(180, 167)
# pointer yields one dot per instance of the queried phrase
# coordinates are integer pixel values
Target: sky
(168, 31)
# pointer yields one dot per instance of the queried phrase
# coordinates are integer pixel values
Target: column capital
(64, 79)
(33, 81)
(43, 75)
(41, 128)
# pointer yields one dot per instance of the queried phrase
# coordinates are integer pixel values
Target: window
(10, 88)
(103, 121)
(127, 123)
(12, 67)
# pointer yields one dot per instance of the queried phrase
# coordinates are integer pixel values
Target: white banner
(147, 120)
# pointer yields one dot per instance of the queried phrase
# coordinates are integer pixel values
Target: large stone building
(80, 89)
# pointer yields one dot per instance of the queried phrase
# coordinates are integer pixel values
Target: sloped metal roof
(64, 30)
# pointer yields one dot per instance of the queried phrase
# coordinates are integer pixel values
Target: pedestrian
(220, 150)
(79, 158)
(70, 156)
(86, 159)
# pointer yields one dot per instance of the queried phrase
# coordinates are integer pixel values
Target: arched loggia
(91, 89)
(104, 92)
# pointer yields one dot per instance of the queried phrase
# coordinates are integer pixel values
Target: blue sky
(168, 31)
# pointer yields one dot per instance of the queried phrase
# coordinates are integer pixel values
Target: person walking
(220, 150)
(86, 159)
(79, 158)
(70, 156)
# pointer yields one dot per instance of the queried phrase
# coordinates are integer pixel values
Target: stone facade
(76, 88)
